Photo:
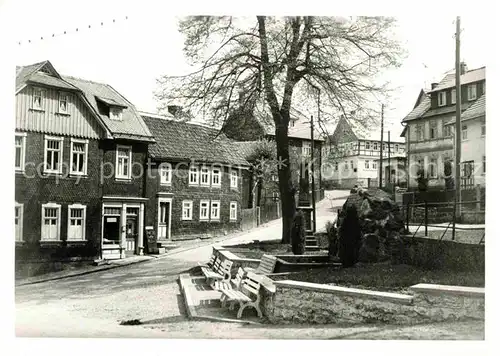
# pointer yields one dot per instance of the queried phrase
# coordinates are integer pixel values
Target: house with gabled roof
(352, 155)
(79, 151)
(429, 130)
(194, 180)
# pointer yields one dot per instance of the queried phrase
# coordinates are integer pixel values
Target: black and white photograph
(250, 174)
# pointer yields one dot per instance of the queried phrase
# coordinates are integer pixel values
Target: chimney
(174, 109)
(434, 85)
(463, 68)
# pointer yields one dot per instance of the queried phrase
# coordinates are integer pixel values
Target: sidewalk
(186, 246)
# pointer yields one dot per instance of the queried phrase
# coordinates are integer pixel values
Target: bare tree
(269, 59)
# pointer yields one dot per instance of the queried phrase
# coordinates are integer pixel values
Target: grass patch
(463, 236)
(386, 277)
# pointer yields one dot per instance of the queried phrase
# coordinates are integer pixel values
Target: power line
(67, 32)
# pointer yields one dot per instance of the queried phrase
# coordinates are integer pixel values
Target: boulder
(381, 222)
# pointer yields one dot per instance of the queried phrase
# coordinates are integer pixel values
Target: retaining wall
(302, 302)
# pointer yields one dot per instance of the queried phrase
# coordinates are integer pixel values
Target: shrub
(333, 241)
(298, 234)
(349, 237)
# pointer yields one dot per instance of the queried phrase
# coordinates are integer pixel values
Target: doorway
(164, 218)
(131, 230)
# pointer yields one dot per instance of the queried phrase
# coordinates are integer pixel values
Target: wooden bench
(247, 296)
(236, 285)
(266, 265)
(220, 275)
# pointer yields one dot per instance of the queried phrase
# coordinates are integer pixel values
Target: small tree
(449, 182)
(349, 237)
(298, 234)
(333, 242)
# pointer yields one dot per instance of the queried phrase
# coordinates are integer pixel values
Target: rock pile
(381, 224)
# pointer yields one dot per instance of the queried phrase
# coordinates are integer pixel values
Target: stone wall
(301, 302)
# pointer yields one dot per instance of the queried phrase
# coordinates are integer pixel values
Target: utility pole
(389, 156)
(458, 121)
(381, 148)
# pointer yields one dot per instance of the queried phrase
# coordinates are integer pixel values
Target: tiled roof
(470, 76)
(45, 79)
(475, 110)
(418, 111)
(22, 73)
(244, 147)
(182, 141)
(131, 126)
(444, 110)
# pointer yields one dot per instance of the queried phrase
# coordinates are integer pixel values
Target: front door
(164, 220)
(131, 230)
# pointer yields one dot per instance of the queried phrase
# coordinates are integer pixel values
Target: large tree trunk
(287, 191)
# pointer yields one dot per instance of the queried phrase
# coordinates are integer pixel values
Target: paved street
(93, 305)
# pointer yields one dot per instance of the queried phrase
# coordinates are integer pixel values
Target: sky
(143, 43)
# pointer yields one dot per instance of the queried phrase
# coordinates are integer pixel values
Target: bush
(298, 234)
(349, 237)
(333, 241)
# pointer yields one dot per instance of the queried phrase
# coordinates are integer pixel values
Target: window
(233, 210)
(352, 164)
(306, 148)
(374, 164)
(78, 158)
(447, 130)
(165, 173)
(454, 96)
(193, 175)
(63, 103)
(216, 176)
(442, 98)
(420, 132)
(384, 147)
(367, 164)
(433, 168)
(471, 92)
(292, 123)
(20, 147)
(76, 222)
(18, 221)
(484, 164)
(396, 148)
(187, 210)
(375, 146)
(115, 114)
(433, 129)
(53, 154)
(483, 128)
(215, 210)
(367, 144)
(205, 176)
(336, 166)
(123, 159)
(464, 132)
(204, 209)
(51, 216)
(38, 95)
(234, 179)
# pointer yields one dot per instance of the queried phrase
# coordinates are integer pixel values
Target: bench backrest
(251, 284)
(225, 268)
(240, 276)
(217, 263)
(267, 264)
(211, 261)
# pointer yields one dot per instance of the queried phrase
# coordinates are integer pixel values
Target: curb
(153, 257)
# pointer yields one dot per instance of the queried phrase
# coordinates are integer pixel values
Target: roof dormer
(114, 108)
